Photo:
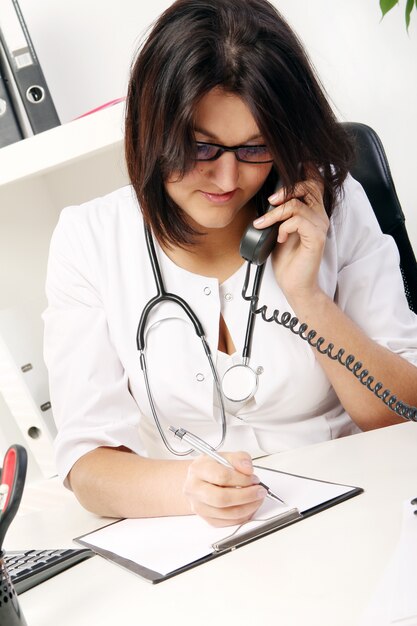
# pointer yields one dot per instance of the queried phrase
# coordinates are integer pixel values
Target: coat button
(200, 377)
(207, 291)
(228, 297)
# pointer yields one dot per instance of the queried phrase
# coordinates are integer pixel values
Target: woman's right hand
(223, 496)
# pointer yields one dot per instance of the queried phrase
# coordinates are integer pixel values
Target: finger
(293, 207)
(311, 235)
(208, 470)
(228, 498)
(203, 484)
(310, 186)
(300, 208)
(231, 506)
(313, 185)
(311, 195)
(241, 461)
(217, 518)
(309, 191)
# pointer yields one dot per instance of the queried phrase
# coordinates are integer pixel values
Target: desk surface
(321, 571)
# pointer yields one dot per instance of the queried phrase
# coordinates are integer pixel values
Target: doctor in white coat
(222, 103)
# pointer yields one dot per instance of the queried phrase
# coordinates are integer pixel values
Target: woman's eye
(204, 151)
(254, 152)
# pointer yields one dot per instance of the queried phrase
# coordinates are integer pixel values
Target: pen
(205, 448)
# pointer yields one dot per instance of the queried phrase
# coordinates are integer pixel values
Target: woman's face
(213, 192)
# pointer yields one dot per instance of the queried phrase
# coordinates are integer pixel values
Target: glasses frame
(222, 149)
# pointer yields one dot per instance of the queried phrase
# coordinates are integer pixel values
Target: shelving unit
(39, 176)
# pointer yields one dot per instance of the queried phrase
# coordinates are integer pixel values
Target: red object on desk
(8, 474)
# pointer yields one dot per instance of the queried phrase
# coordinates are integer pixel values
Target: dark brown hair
(246, 47)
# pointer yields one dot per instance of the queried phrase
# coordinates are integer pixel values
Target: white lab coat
(99, 279)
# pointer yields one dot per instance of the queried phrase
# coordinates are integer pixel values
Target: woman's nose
(225, 172)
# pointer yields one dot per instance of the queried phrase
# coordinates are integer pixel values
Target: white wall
(369, 67)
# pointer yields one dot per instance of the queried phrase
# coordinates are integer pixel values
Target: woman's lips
(219, 198)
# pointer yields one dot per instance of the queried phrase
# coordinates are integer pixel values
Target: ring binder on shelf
(32, 99)
(24, 384)
(162, 547)
(9, 126)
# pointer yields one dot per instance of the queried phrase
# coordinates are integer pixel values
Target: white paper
(394, 602)
(404, 601)
(164, 544)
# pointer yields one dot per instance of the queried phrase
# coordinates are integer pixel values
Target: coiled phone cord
(285, 319)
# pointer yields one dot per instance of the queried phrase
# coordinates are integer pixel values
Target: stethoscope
(239, 382)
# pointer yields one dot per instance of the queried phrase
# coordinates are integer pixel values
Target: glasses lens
(205, 151)
(254, 154)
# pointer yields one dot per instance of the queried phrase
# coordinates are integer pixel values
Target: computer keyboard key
(31, 567)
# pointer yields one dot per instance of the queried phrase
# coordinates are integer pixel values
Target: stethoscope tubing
(162, 296)
(247, 346)
(165, 296)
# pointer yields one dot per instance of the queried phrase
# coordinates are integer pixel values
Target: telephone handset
(257, 244)
(255, 247)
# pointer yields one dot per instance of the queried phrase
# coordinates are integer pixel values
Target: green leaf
(387, 5)
(408, 8)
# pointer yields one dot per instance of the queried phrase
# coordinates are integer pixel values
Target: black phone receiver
(256, 245)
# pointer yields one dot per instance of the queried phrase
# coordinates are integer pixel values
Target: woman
(221, 101)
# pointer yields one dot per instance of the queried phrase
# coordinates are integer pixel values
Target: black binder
(9, 126)
(27, 85)
(158, 548)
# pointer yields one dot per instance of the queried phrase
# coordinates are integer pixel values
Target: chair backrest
(372, 170)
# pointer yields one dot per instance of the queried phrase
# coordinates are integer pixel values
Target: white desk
(319, 572)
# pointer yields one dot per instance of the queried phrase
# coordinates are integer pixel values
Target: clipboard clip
(273, 523)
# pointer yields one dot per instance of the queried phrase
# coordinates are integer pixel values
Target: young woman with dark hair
(222, 104)
(247, 50)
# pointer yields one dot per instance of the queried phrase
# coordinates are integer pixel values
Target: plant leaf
(387, 5)
(408, 8)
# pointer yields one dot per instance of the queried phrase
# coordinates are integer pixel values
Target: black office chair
(371, 169)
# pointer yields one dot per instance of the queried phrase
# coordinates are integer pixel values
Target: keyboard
(30, 567)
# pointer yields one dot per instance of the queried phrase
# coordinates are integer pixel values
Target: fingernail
(246, 463)
(259, 221)
(274, 197)
(262, 492)
(255, 479)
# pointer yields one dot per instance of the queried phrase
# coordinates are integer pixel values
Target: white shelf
(62, 145)
(40, 175)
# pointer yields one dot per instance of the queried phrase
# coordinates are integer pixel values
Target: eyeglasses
(246, 154)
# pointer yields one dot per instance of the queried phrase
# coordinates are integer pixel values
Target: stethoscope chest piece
(239, 383)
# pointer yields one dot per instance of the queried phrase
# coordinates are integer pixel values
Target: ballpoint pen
(205, 448)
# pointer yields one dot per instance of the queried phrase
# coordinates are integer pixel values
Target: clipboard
(158, 548)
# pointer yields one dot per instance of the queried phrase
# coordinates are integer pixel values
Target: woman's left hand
(301, 237)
